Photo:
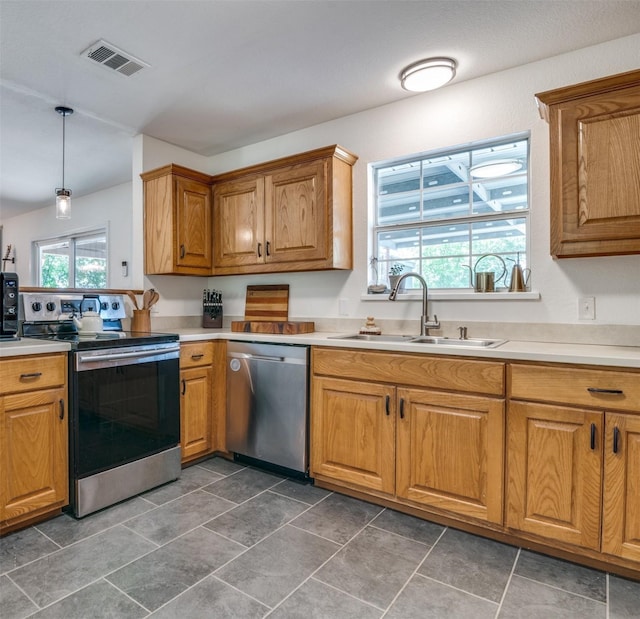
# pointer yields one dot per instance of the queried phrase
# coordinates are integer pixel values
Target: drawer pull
(30, 375)
(184, 386)
(268, 248)
(386, 404)
(616, 440)
(259, 250)
(61, 413)
(593, 437)
(401, 408)
(196, 357)
(611, 391)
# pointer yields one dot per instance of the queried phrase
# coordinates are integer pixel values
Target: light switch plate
(587, 308)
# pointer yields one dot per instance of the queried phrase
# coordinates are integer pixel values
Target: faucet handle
(432, 324)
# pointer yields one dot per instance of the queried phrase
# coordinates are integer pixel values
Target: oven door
(125, 406)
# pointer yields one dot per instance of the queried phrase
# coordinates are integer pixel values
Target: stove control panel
(45, 306)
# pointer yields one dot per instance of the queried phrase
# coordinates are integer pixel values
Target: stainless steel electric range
(124, 424)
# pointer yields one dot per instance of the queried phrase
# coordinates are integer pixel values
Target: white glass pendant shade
(63, 204)
(428, 74)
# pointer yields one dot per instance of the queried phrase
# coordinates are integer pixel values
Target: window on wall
(76, 261)
(436, 213)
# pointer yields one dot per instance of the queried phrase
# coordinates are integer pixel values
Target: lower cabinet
(34, 464)
(435, 449)
(201, 401)
(573, 470)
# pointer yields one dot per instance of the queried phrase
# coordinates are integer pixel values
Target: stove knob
(104, 305)
(115, 305)
(36, 306)
(51, 306)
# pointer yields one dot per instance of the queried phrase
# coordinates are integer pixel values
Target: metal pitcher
(485, 281)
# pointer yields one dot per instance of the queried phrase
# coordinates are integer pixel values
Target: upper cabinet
(177, 222)
(292, 214)
(595, 166)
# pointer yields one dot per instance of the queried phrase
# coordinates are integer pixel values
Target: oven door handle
(114, 356)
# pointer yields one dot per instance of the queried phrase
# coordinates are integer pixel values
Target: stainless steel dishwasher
(267, 403)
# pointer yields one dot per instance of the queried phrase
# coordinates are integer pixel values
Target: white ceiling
(227, 73)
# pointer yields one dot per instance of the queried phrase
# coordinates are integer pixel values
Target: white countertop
(28, 346)
(587, 354)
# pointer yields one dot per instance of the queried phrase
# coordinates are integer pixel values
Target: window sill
(462, 295)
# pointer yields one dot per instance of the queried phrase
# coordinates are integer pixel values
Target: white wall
(487, 107)
(110, 208)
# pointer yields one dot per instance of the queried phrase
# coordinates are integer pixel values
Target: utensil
(153, 298)
(146, 297)
(133, 298)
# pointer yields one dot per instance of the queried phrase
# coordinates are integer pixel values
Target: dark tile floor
(235, 542)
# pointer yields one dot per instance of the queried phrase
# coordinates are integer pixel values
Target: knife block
(212, 321)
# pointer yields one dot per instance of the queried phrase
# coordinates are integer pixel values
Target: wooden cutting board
(270, 326)
(267, 303)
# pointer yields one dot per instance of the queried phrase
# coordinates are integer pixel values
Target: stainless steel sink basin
(446, 341)
(373, 338)
(425, 339)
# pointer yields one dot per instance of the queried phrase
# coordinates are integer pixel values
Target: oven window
(125, 413)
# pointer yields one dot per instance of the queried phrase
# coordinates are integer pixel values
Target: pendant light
(63, 196)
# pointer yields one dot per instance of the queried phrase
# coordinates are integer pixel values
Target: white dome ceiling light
(428, 74)
(497, 167)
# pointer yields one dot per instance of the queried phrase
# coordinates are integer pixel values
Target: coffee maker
(8, 305)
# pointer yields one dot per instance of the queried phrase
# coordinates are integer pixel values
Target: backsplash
(612, 335)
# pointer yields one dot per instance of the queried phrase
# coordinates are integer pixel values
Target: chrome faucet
(425, 323)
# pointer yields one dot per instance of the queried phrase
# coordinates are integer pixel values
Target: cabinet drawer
(412, 370)
(581, 387)
(32, 372)
(195, 354)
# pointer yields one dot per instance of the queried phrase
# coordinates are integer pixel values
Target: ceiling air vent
(111, 57)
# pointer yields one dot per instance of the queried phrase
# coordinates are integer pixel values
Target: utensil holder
(141, 321)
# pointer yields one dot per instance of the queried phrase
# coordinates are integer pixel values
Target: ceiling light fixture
(428, 74)
(63, 196)
(495, 168)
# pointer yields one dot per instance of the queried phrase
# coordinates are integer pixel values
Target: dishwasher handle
(256, 357)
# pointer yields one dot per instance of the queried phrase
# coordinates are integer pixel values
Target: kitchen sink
(424, 339)
(373, 338)
(447, 341)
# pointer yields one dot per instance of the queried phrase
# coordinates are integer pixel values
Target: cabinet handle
(616, 440)
(196, 357)
(268, 248)
(184, 386)
(61, 413)
(259, 250)
(401, 408)
(182, 251)
(386, 404)
(611, 391)
(31, 375)
(593, 437)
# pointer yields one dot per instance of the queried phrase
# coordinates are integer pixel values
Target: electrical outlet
(343, 307)
(587, 308)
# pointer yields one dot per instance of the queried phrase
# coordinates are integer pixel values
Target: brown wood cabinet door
(194, 244)
(238, 213)
(450, 452)
(555, 472)
(621, 514)
(296, 213)
(353, 433)
(595, 174)
(33, 452)
(195, 412)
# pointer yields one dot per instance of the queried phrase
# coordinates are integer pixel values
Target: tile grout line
(17, 586)
(415, 571)
(546, 584)
(506, 588)
(342, 546)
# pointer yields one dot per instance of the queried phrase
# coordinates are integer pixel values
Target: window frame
(72, 237)
(375, 228)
